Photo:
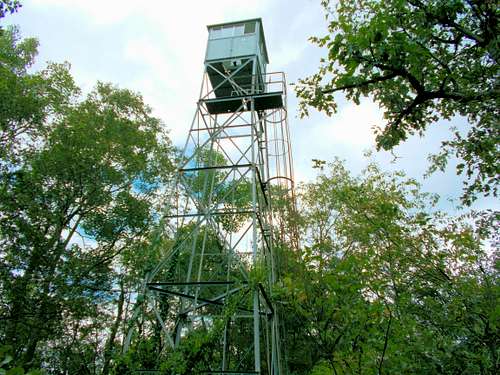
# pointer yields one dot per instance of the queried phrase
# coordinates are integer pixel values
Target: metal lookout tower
(227, 215)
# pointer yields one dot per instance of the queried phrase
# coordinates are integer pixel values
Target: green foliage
(8, 6)
(196, 353)
(384, 285)
(199, 350)
(6, 359)
(322, 368)
(421, 61)
(79, 181)
(143, 355)
(27, 99)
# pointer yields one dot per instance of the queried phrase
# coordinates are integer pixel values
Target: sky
(157, 48)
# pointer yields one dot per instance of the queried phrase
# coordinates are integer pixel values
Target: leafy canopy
(385, 284)
(79, 185)
(421, 61)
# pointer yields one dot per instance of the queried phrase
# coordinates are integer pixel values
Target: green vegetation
(384, 285)
(382, 281)
(421, 61)
(79, 183)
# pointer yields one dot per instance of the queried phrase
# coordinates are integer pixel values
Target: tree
(384, 285)
(8, 6)
(79, 180)
(27, 99)
(421, 61)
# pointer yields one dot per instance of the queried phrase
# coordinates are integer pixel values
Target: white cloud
(347, 134)
(98, 11)
(351, 128)
(170, 50)
(161, 54)
(353, 125)
(169, 13)
(287, 54)
(157, 48)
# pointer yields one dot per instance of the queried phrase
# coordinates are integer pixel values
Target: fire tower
(227, 214)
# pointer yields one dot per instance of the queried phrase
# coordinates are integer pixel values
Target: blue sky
(157, 48)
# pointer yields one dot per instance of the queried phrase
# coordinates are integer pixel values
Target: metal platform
(262, 102)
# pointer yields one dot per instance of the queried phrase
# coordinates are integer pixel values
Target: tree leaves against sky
(421, 61)
(70, 200)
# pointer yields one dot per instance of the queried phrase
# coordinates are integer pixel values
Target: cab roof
(261, 28)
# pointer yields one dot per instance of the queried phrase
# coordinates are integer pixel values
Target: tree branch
(444, 20)
(386, 341)
(361, 84)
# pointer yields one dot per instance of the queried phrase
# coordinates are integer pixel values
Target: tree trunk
(108, 350)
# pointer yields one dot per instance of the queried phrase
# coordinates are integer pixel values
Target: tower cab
(235, 62)
(236, 47)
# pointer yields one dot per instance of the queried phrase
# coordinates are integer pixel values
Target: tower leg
(256, 330)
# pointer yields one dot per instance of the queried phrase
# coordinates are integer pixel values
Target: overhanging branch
(361, 84)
